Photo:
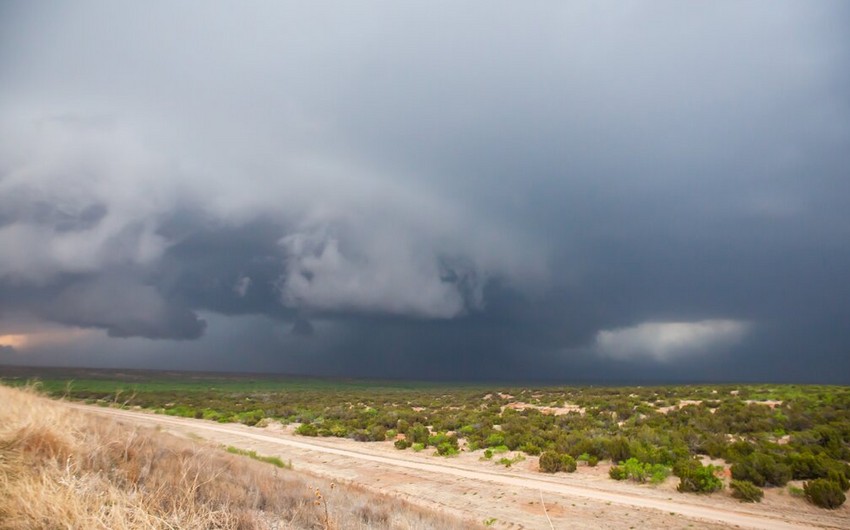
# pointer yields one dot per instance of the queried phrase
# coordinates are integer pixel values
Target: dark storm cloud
(650, 190)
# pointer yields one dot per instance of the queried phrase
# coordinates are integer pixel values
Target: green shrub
(401, 444)
(377, 433)
(635, 470)
(307, 429)
(495, 439)
(568, 463)
(549, 462)
(618, 449)
(761, 469)
(446, 449)
(419, 434)
(824, 493)
(488, 453)
(418, 447)
(839, 477)
(658, 473)
(530, 449)
(746, 491)
(638, 471)
(697, 478)
(617, 473)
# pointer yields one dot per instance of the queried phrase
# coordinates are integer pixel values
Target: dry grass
(60, 468)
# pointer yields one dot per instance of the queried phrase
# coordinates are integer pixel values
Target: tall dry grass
(63, 469)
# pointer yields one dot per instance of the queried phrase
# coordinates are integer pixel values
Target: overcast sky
(629, 191)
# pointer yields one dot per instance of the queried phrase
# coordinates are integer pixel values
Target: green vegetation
(824, 493)
(766, 434)
(746, 491)
(637, 471)
(273, 460)
(697, 478)
(552, 462)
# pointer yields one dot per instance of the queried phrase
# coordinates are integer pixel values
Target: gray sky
(581, 192)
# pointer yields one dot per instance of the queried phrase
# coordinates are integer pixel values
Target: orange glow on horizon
(15, 341)
(47, 337)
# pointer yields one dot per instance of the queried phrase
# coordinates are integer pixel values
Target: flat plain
(474, 451)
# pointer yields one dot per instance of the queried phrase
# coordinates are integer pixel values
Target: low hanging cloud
(668, 341)
(387, 276)
(124, 308)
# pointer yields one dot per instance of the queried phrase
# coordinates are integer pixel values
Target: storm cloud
(581, 192)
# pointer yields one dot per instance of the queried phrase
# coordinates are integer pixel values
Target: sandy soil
(516, 497)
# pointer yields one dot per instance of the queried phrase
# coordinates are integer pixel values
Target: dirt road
(507, 498)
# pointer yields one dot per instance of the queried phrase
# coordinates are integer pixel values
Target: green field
(767, 434)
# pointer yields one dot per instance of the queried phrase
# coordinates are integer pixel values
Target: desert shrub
(488, 453)
(839, 476)
(637, 471)
(549, 462)
(761, 469)
(377, 433)
(746, 491)
(494, 440)
(307, 429)
(592, 461)
(251, 417)
(401, 444)
(446, 449)
(824, 493)
(568, 463)
(658, 473)
(552, 462)
(419, 434)
(530, 449)
(617, 473)
(697, 478)
(807, 466)
(418, 447)
(618, 449)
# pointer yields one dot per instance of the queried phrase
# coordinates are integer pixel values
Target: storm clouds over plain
(637, 191)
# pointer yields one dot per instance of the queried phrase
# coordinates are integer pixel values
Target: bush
(419, 434)
(618, 449)
(697, 478)
(401, 444)
(824, 493)
(761, 469)
(446, 449)
(839, 477)
(617, 473)
(638, 471)
(530, 449)
(746, 491)
(549, 462)
(307, 429)
(418, 447)
(568, 463)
